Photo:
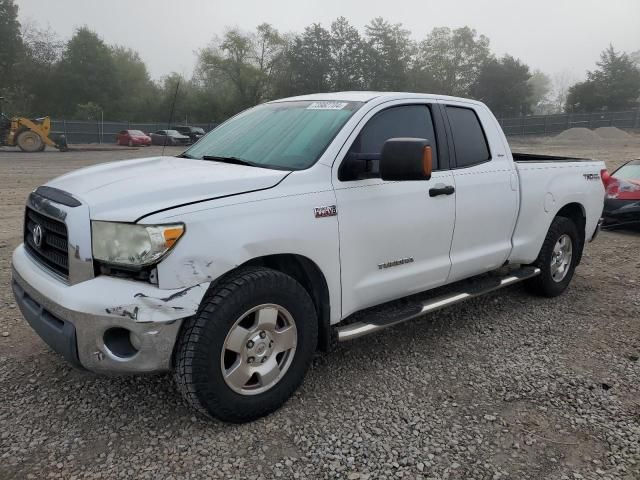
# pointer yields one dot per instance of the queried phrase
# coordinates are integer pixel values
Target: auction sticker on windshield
(327, 106)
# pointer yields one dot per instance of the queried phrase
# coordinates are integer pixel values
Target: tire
(553, 278)
(29, 141)
(203, 363)
(62, 144)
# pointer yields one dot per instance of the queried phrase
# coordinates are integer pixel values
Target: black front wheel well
(309, 275)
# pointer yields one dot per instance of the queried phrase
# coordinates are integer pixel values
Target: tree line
(83, 77)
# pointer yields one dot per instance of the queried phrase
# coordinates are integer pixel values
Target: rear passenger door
(486, 190)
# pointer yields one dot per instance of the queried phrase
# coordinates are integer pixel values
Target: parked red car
(622, 202)
(133, 138)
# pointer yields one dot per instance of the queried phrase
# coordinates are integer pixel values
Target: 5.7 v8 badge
(328, 211)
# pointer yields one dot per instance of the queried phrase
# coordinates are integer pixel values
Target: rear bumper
(621, 213)
(105, 325)
(597, 230)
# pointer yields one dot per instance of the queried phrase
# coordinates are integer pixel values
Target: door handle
(441, 190)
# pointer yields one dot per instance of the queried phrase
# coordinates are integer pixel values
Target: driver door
(395, 237)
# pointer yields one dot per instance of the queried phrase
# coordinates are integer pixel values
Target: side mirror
(406, 159)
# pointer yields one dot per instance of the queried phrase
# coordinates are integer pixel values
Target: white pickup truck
(274, 235)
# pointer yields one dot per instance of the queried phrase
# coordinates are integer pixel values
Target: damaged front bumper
(106, 324)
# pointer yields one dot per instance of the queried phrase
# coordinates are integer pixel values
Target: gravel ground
(504, 386)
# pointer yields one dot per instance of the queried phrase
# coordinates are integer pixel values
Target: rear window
(468, 137)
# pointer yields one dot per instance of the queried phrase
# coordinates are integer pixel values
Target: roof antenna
(173, 106)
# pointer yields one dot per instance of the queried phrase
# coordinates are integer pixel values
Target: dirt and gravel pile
(582, 136)
(506, 386)
(612, 133)
(592, 138)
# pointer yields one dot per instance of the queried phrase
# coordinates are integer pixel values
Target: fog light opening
(118, 342)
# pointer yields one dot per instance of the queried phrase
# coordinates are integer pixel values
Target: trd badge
(328, 211)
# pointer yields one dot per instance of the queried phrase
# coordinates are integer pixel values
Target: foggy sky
(556, 36)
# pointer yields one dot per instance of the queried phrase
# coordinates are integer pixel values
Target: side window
(468, 137)
(410, 121)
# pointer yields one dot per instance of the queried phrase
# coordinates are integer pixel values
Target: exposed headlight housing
(131, 245)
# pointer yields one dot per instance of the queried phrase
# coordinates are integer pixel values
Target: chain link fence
(548, 124)
(87, 131)
(92, 131)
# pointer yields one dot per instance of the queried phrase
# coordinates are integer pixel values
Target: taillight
(605, 176)
(612, 187)
(622, 189)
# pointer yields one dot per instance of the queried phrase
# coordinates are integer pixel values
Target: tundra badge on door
(395, 263)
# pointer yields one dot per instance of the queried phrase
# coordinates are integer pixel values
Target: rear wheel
(29, 141)
(249, 346)
(557, 259)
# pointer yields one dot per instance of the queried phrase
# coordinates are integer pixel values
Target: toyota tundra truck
(294, 225)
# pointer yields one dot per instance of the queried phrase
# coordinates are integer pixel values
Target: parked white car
(234, 262)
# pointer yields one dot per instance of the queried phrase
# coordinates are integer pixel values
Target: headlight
(133, 245)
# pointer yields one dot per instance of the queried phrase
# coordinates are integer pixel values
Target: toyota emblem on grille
(37, 235)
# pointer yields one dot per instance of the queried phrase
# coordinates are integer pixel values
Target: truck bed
(546, 184)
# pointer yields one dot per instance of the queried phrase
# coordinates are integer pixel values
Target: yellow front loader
(28, 135)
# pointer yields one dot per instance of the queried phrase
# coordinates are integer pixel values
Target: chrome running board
(393, 315)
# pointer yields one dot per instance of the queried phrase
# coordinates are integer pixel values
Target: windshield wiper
(234, 160)
(185, 155)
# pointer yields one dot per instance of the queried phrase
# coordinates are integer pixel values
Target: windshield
(172, 132)
(197, 130)
(135, 132)
(285, 135)
(630, 171)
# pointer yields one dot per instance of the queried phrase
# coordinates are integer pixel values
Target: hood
(126, 190)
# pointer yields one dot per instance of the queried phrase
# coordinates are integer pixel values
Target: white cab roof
(368, 96)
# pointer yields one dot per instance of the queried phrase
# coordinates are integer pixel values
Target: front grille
(53, 250)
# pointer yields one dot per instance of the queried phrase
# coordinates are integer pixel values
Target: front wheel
(557, 258)
(248, 347)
